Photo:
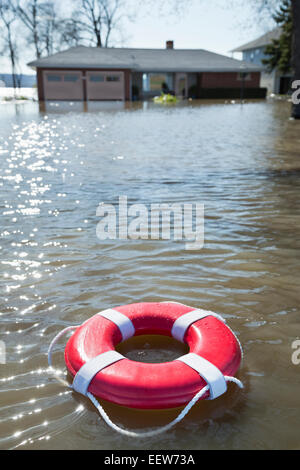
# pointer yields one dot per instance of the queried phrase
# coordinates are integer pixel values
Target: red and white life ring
(153, 386)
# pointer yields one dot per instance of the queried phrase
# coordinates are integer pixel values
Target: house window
(97, 78)
(244, 76)
(71, 78)
(113, 78)
(54, 78)
(156, 81)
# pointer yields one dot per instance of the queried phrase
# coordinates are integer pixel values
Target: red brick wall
(228, 80)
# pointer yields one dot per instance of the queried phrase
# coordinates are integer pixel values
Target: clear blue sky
(203, 24)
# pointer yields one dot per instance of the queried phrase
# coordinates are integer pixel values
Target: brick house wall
(228, 80)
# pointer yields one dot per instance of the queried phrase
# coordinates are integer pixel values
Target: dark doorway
(285, 85)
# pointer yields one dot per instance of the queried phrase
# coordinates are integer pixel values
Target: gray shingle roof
(145, 60)
(262, 41)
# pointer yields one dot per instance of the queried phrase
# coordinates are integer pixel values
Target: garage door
(105, 85)
(63, 85)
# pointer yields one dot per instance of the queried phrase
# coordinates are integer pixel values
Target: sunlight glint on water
(56, 167)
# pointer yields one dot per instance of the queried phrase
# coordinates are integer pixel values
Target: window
(54, 78)
(96, 78)
(71, 78)
(146, 84)
(156, 81)
(113, 78)
(244, 76)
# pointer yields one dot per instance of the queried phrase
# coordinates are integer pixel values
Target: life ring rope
(168, 426)
(216, 382)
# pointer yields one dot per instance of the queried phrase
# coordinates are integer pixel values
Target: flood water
(56, 166)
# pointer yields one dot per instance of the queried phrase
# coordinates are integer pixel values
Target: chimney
(169, 45)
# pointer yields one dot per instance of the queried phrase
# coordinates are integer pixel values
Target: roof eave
(200, 70)
(45, 65)
(248, 48)
(244, 68)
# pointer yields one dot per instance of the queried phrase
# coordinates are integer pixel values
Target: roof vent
(170, 45)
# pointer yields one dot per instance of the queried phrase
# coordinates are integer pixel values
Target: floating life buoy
(99, 370)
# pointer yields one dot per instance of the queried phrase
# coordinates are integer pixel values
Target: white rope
(106, 418)
(53, 342)
(165, 428)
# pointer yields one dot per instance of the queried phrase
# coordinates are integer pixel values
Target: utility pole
(296, 51)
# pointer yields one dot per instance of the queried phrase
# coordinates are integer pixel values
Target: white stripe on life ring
(122, 321)
(210, 373)
(88, 371)
(182, 323)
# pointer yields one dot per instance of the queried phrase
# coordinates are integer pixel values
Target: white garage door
(63, 85)
(105, 85)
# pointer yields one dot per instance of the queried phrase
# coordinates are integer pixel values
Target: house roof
(144, 60)
(262, 41)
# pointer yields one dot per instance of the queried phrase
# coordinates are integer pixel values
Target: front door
(181, 84)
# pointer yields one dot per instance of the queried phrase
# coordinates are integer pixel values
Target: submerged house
(91, 73)
(254, 53)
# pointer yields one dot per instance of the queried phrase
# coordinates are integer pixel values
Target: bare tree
(98, 19)
(28, 12)
(48, 26)
(70, 32)
(112, 17)
(41, 21)
(7, 21)
(92, 15)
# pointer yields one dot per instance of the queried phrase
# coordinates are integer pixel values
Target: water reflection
(81, 106)
(56, 165)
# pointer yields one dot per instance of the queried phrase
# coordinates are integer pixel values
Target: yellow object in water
(165, 98)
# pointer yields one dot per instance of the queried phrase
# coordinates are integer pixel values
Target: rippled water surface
(56, 166)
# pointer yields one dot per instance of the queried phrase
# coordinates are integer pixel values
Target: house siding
(255, 56)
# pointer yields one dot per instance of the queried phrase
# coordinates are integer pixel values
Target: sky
(215, 25)
(201, 24)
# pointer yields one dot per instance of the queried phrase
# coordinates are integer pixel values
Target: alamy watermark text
(177, 221)
(296, 94)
